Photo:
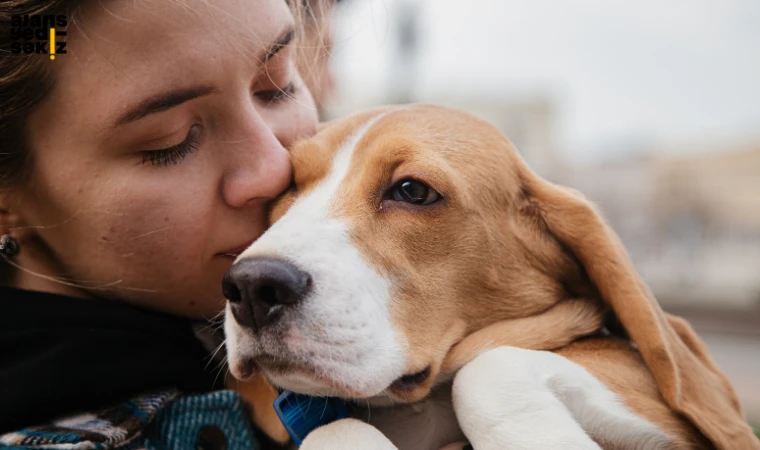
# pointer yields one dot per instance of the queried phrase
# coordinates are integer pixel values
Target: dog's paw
(348, 434)
(504, 398)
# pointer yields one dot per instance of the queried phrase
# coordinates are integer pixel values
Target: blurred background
(650, 108)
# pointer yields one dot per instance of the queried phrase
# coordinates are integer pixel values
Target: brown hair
(25, 80)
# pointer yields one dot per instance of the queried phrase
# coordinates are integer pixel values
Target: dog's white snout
(343, 327)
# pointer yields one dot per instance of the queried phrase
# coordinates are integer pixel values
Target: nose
(258, 288)
(257, 165)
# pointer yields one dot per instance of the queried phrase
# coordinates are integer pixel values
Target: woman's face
(163, 141)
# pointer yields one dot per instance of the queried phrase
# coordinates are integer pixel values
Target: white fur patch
(536, 399)
(344, 326)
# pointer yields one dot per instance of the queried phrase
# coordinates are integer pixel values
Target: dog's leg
(557, 327)
(347, 434)
(512, 398)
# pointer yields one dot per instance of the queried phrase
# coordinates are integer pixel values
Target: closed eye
(174, 154)
(277, 95)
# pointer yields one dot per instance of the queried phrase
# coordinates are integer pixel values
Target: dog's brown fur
(509, 248)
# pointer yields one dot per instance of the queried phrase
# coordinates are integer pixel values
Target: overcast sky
(671, 73)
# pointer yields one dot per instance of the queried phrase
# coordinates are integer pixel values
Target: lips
(234, 252)
(277, 365)
(409, 382)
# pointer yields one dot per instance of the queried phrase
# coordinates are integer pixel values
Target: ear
(8, 218)
(259, 394)
(12, 223)
(688, 379)
(11, 220)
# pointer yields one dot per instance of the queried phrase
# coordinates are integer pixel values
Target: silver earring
(9, 246)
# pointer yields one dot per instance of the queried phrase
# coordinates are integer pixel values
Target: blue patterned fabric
(162, 420)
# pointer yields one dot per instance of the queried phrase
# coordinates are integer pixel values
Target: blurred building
(691, 224)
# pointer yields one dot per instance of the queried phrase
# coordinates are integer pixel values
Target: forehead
(372, 133)
(146, 27)
(119, 52)
(313, 158)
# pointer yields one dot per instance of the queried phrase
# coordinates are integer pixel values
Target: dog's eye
(415, 192)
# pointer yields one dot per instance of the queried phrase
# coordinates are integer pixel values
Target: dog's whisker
(221, 367)
(211, 357)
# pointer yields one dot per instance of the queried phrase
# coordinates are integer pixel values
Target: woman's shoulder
(155, 420)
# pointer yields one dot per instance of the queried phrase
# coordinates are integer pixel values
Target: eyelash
(278, 95)
(173, 155)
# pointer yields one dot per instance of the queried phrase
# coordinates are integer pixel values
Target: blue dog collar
(303, 413)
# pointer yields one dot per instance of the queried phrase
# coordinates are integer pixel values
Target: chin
(310, 383)
(305, 385)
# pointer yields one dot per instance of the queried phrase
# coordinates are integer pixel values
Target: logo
(38, 35)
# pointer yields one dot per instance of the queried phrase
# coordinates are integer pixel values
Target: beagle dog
(418, 267)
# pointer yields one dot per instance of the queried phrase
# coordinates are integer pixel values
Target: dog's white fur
(344, 330)
(505, 398)
(515, 393)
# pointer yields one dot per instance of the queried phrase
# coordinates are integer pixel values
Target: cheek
(156, 228)
(159, 209)
(119, 231)
(428, 259)
(430, 337)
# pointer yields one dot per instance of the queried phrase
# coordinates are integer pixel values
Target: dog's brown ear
(689, 380)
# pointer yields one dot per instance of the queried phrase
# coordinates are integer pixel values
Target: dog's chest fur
(427, 424)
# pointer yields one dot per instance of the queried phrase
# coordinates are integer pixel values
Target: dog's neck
(428, 423)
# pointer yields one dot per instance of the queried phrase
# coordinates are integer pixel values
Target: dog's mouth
(280, 366)
(411, 387)
(304, 378)
(408, 383)
(278, 369)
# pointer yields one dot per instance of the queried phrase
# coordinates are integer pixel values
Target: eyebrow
(167, 100)
(282, 41)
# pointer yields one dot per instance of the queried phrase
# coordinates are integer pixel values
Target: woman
(133, 168)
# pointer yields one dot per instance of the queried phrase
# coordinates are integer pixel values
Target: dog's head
(408, 228)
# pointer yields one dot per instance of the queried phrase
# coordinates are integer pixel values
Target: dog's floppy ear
(688, 379)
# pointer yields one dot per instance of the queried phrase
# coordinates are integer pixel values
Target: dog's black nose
(256, 287)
